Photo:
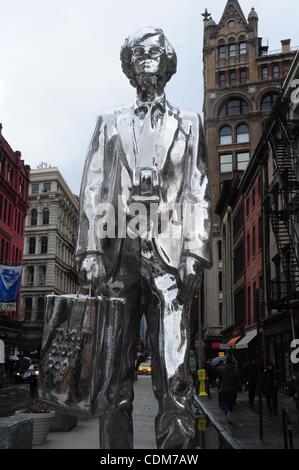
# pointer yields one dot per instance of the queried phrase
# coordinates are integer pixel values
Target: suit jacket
(181, 160)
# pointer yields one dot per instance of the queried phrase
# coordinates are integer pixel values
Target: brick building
(259, 211)
(242, 80)
(14, 186)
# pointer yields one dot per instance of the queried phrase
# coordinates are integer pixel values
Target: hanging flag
(10, 279)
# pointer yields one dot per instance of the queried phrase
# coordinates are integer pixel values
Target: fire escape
(283, 210)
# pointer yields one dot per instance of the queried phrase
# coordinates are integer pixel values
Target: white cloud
(60, 65)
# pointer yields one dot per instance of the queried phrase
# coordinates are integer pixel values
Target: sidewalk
(243, 432)
(86, 434)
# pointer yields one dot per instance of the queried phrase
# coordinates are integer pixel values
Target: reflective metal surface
(145, 234)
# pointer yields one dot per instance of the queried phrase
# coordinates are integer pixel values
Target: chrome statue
(148, 158)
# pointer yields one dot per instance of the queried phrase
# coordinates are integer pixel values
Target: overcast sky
(60, 65)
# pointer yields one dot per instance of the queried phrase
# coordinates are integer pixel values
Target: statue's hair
(135, 39)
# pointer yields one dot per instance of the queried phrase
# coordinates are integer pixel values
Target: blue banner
(10, 279)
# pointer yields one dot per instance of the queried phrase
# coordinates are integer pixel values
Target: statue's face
(149, 57)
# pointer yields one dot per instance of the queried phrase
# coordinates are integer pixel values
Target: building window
(239, 299)
(260, 232)
(232, 50)
(253, 197)
(268, 101)
(46, 216)
(265, 72)
(219, 243)
(30, 275)
(222, 52)
(243, 160)
(248, 248)
(234, 107)
(260, 187)
(42, 275)
(35, 188)
(232, 78)
(47, 187)
(253, 241)
(44, 245)
(249, 304)
(220, 278)
(221, 314)
(222, 79)
(226, 136)
(276, 72)
(239, 261)
(5, 210)
(28, 308)
(226, 163)
(243, 48)
(32, 245)
(34, 217)
(40, 309)
(9, 173)
(243, 77)
(238, 221)
(243, 134)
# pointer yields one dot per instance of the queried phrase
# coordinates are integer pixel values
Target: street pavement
(86, 434)
(243, 432)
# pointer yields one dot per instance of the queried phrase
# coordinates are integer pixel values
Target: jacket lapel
(169, 128)
(125, 125)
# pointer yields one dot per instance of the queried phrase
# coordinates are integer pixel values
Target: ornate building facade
(14, 186)
(49, 249)
(242, 80)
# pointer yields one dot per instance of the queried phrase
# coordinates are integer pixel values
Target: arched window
(40, 308)
(243, 134)
(226, 136)
(234, 107)
(28, 308)
(30, 275)
(44, 245)
(32, 245)
(46, 216)
(268, 101)
(34, 217)
(221, 50)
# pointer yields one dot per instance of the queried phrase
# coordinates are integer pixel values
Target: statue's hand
(190, 271)
(92, 272)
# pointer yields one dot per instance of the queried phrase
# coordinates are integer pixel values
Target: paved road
(13, 397)
(86, 434)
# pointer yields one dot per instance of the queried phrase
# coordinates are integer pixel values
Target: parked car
(145, 368)
(32, 371)
(25, 374)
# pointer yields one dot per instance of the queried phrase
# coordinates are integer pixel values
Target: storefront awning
(233, 341)
(243, 344)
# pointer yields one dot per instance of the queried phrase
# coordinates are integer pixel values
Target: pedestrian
(229, 386)
(251, 377)
(270, 388)
(193, 367)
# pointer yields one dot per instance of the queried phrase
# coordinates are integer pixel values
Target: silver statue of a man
(148, 154)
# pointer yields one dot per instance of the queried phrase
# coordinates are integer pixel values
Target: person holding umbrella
(230, 384)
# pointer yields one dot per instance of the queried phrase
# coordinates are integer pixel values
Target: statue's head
(148, 53)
